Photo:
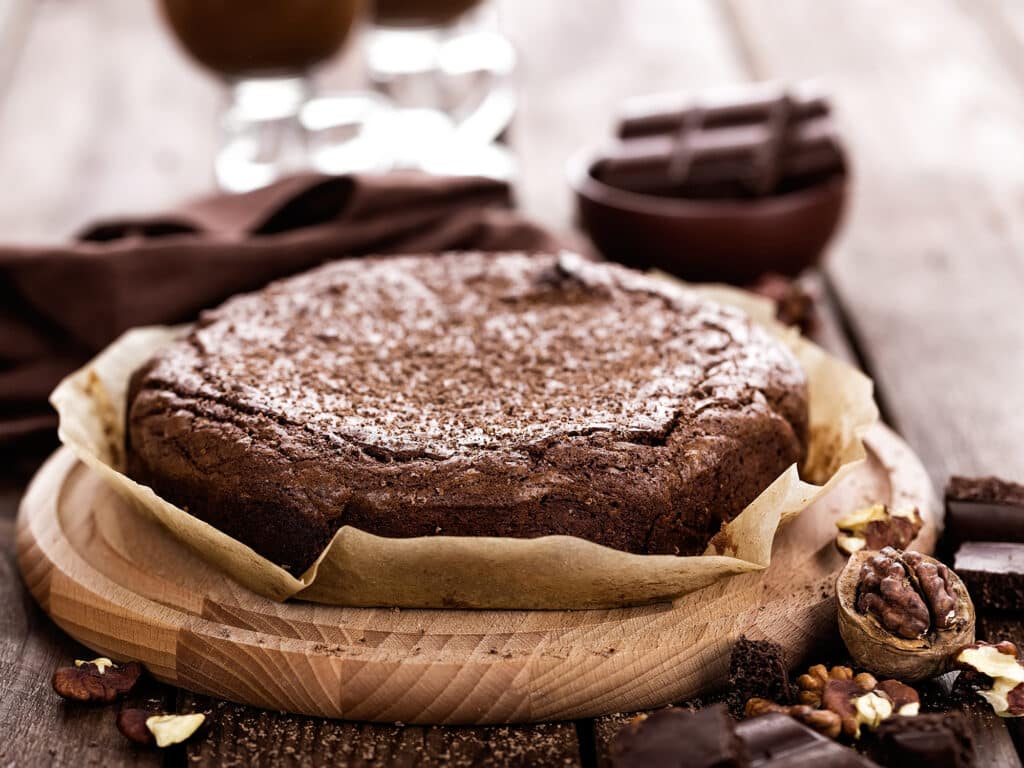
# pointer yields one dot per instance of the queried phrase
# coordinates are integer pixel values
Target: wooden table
(100, 114)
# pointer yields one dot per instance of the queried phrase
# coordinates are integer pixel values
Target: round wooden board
(122, 586)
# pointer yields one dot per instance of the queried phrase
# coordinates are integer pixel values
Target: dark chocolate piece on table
(940, 740)
(983, 509)
(779, 741)
(993, 572)
(747, 142)
(677, 738)
(794, 304)
(757, 668)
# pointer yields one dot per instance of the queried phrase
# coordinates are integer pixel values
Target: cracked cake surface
(467, 394)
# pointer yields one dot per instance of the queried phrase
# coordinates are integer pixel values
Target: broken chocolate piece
(757, 669)
(925, 741)
(677, 738)
(993, 573)
(983, 509)
(749, 103)
(779, 741)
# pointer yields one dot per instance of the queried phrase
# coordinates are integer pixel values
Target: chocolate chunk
(677, 738)
(923, 741)
(750, 103)
(794, 304)
(779, 741)
(757, 668)
(744, 143)
(993, 573)
(984, 509)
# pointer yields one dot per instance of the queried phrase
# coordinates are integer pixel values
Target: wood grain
(120, 584)
(48, 732)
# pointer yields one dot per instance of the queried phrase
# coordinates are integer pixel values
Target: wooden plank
(577, 65)
(929, 270)
(103, 115)
(14, 22)
(38, 727)
(244, 736)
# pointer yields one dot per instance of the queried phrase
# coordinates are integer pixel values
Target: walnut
(99, 681)
(886, 593)
(143, 727)
(836, 700)
(812, 684)
(1004, 675)
(132, 723)
(936, 586)
(174, 729)
(876, 527)
(905, 700)
(855, 706)
(903, 614)
(823, 721)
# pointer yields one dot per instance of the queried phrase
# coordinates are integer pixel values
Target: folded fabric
(61, 305)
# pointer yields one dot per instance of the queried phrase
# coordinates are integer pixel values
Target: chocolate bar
(984, 509)
(923, 741)
(779, 741)
(738, 105)
(677, 737)
(749, 143)
(993, 573)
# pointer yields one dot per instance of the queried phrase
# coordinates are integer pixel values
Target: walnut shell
(875, 647)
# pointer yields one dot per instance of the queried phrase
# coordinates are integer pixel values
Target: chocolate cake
(472, 395)
(757, 668)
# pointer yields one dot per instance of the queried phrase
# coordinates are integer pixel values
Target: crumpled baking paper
(361, 569)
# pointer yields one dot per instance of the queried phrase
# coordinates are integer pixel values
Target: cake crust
(467, 394)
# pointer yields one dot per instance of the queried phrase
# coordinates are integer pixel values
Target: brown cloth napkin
(60, 305)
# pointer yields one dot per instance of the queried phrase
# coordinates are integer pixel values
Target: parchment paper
(361, 569)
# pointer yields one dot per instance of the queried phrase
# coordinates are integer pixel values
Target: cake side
(467, 394)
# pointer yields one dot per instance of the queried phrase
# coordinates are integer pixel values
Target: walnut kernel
(173, 729)
(903, 614)
(823, 721)
(99, 681)
(132, 723)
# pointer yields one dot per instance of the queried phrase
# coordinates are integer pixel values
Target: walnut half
(836, 701)
(903, 614)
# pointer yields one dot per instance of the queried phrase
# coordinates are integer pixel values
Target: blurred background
(102, 111)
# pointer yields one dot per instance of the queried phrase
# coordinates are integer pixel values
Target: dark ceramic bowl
(731, 241)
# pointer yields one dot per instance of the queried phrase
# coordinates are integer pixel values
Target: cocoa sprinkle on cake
(471, 395)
